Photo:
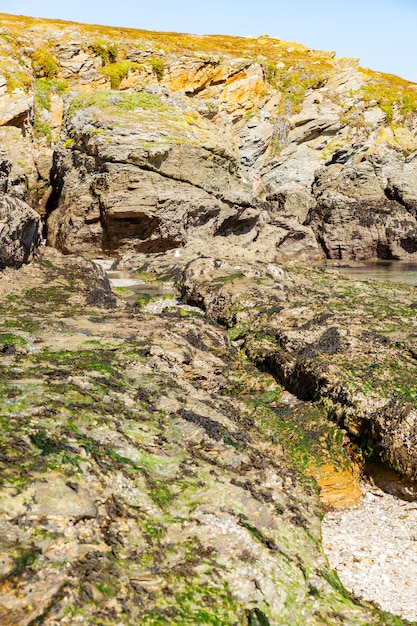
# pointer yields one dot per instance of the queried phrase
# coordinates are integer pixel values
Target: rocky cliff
(146, 141)
(168, 462)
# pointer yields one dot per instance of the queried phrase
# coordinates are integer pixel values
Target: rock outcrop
(348, 346)
(168, 462)
(357, 217)
(157, 141)
(20, 232)
(137, 482)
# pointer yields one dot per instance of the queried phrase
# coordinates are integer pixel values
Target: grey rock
(357, 218)
(24, 179)
(255, 139)
(20, 232)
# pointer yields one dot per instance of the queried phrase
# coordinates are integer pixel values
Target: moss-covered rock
(148, 460)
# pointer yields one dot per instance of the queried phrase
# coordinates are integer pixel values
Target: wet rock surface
(145, 470)
(348, 345)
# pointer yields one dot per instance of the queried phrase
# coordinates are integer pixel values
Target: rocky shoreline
(182, 497)
(170, 444)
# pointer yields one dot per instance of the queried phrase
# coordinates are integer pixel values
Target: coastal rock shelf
(183, 496)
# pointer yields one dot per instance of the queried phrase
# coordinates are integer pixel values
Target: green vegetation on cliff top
(290, 67)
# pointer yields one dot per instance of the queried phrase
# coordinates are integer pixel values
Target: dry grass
(269, 48)
(289, 67)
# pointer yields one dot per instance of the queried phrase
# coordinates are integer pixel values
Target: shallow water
(126, 279)
(393, 271)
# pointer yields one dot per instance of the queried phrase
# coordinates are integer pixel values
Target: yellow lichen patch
(405, 140)
(385, 136)
(245, 89)
(399, 138)
(339, 487)
(195, 76)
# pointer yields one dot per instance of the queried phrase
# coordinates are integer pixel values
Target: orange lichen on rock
(339, 487)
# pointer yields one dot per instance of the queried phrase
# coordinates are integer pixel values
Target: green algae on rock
(176, 504)
(156, 469)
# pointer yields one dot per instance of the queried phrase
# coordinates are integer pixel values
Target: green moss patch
(123, 101)
(143, 299)
(44, 88)
(116, 72)
(8, 339)
(44, 64)
(106, 50)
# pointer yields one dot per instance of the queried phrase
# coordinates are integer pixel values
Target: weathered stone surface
(242, 123)
(14, 109)
(56, 498)
(24, 180)
(53, 497)
(154, 468)
(357, 218)
(140, 482)
(20, 232)
(143, 191)
(325, 347)
(349, 345)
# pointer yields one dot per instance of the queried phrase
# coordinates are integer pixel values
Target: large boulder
(360, 215)
(20, 232)
(142, 172)
(153, 171)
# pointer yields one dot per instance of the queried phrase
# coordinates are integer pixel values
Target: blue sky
(382, 33)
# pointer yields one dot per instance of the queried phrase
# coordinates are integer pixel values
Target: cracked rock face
(164, 462)
(291, 153)
(350, 347)
(20, 232)
(129, 186)
(137, 481)
(356, 217)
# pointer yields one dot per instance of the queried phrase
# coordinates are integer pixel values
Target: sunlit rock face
(146, 141)
(169, 460)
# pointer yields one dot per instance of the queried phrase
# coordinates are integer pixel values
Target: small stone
(57, 499)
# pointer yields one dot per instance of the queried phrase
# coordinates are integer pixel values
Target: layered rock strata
(293, 153)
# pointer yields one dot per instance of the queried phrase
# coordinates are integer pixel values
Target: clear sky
(382, 33)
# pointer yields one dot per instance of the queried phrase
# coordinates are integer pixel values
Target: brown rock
(56, 499)
(14, 109)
